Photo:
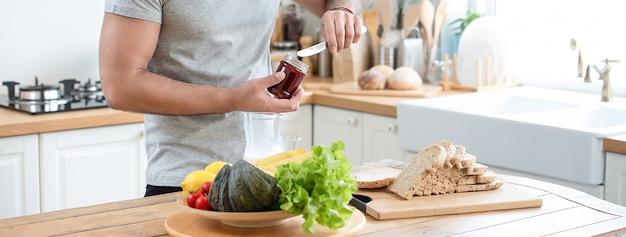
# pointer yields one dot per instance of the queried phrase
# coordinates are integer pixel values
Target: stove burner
(40, 98)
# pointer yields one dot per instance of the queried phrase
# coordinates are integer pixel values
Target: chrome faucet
(604, 73)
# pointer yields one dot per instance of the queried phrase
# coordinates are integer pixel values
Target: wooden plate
(183, 223)
(238, 219)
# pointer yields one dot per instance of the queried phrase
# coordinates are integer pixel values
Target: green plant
(464, 22)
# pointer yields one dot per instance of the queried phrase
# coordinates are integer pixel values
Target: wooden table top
(565, 212)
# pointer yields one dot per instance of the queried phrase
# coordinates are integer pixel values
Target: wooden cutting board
(352, 88)
(386, 205)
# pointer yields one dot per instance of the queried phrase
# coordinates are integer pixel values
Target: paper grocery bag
(349, 63)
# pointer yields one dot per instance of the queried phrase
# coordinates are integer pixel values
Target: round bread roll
(404, 78)
(372, 80)
(385, 69)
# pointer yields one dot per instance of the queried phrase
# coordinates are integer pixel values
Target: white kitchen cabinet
(615, 178)
(368, 137)
(380, 138)
(300, 123)
(332, 124)
(19, 176)
(91, 166)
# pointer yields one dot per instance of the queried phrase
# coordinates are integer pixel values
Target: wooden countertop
(13, 123)
(565, 212)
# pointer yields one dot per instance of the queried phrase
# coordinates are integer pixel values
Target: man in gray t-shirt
(193, 67)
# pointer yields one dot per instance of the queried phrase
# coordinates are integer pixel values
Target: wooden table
(565, 212)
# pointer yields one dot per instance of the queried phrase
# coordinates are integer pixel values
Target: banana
(298, 159)
(277, 157)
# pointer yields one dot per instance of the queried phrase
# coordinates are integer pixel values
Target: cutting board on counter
(352, 88)
(386, 205)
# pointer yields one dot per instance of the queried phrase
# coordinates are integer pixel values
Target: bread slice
(480, 187)
(468, 160)
(428, 159)
(450, 151)
(488, 177)
(476, 169)
(374, 180)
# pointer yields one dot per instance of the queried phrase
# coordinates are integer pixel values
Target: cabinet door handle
(392, 127)
(352, 121)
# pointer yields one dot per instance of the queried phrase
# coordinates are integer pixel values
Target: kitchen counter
(565, 212)
(13, 123)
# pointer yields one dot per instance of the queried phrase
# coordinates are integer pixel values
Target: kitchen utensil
(410, 19)
(370, 19)
(385, 12)
(307, 41)
(427, 15)
(440, 18)
(387, 206)
(319, 47)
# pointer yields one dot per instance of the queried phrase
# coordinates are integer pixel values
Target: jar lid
(301, 66)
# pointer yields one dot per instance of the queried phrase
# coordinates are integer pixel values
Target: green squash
(243, 187)
(262, 185)
(244, 201)
(215, 197)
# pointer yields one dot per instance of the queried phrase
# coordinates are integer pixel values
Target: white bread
(429, 158)
(480, 187)
(476, 169)
(450, 152)
(374, 180)
(429, 173)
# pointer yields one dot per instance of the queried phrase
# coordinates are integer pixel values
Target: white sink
(549, 132)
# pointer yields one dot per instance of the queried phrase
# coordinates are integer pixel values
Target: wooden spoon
(440, 18)
(370, 19)
(410, 19)
(427, 15)
(385, 13)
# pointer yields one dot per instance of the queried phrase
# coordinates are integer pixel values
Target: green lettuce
(319, 189)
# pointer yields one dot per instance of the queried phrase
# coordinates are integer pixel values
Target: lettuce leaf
(319, 189)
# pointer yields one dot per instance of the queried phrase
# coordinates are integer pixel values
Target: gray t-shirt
(218, 43)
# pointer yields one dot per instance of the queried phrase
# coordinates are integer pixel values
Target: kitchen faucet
(604, 73)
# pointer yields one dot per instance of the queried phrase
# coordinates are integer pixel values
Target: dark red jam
(295, 70)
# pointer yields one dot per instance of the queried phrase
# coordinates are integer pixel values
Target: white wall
(545, 28)
(52, 40)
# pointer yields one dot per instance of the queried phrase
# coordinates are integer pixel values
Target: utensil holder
(385, 56)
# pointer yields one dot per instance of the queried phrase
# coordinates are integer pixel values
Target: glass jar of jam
(295, 70)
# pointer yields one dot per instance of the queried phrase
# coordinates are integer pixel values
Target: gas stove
(41, 99)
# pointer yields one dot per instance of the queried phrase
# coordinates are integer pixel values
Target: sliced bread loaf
(428, 159)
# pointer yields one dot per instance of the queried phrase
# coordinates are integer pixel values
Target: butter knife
(319, 47)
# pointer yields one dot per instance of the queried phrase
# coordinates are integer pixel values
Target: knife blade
(319, 47)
